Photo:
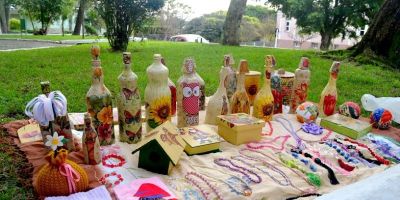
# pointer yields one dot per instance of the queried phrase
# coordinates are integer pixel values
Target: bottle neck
(332, 80)
(240, 82)
(97, 76)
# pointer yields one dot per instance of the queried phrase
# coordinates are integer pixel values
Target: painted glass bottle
(276, 88)
(300, 85)
(218, 103)
(231, 77)
(188, 93)
(90, 142)
(157, 95)
(98, 102)
(172, 88)
(202, 100)
(240, 102)
(129, 104)
(263, 107)
(327, 103)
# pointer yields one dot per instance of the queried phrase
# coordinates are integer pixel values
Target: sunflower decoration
(105, 115)
(264, 108)
(159, 111)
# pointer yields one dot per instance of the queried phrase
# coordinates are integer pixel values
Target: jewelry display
(312, 128)
(192, 176)
(305, 162)
(236, 168)
(379, 158)
(290, 129)
(268, 143)
(327, 161)
(313, 178)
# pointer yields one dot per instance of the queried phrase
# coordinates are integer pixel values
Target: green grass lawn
(69, 70)
(47, 37)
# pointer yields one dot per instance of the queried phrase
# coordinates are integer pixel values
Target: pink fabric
(142, 188)
(72, 176)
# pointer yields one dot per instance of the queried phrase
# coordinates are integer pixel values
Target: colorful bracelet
(103, 180)
(113, 156)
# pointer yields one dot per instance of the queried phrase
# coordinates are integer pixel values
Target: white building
(287, 36)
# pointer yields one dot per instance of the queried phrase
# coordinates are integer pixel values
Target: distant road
(10, 45)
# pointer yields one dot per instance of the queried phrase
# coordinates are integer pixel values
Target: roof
(168, 137)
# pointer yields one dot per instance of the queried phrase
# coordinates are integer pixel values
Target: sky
(201, 7)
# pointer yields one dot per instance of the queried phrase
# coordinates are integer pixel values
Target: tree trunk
(3, 18)
(383, 36)
(62, 26)
(326, 41)
(80, 17)
(232, 22)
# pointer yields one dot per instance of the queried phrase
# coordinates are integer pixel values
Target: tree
(330, 18)
(172, 17)
(383, 36)
(66, 12)
(208, 26)
(5, 15)
(232, 22)
(80, 17)
(123, 16)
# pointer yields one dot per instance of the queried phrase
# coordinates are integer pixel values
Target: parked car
(189, 38)
(137, 39)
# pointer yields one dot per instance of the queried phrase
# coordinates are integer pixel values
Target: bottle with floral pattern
(300, 84)
(240, 102)
(219, 102)
(90, 142)
(202, 100)
(188, 93)
(231, 78)
(276, 88)
(129, 104)
(263, 107)
(99, 102)
(157, 95)
(172, 87)
(327, 103)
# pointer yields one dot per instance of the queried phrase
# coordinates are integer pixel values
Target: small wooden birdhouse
(160, 149)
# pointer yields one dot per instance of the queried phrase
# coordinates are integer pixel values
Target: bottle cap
(95, 51)
(243, 66)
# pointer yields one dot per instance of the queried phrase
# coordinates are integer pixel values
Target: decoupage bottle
(276, 88)
(61, 124)
(90, 142)
(231, 77)
(202, 100)
(129, 104)
(188, 95)
(263, 106)
(172, 87)
(327, 103)
(157, 95)
(219, 102)
(240, 102)
(98, 102)
(300, 85)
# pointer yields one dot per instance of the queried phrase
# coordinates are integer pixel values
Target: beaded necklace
(192, 176)
(357, 154)
(341, 151)
(299, 142)
(379, 158)
(268, 143)
(305, 162)
(271, 130)
(236, 168)
(313, 178)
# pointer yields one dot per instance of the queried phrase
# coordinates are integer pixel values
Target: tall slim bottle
(98, 102)
(300, 85)
(219, 102)
(240, 102)
(276, 88)
(231, 77)
(129, 104)
(90, 142)
(263, 107)
(172, 88)
(327, 103)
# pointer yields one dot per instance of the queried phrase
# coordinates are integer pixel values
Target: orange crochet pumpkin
(61, 177)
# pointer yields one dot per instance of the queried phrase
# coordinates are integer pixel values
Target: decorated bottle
(129, 104)
(202, 100)
(90, 142)
(188, 93)
(276, 88)
(219, 102)
(327, 103)
(231, 77)
(61, 124)
(263, 107)
(157, 95)
(98, 102)
(172, 88)
(300, 85)
(240, 102)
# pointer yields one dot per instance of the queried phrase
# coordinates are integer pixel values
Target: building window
(314, 45)
(287, 28)
(296, 44)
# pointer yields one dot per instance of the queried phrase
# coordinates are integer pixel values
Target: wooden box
(239, 128)
(347, 126)
(200, 139)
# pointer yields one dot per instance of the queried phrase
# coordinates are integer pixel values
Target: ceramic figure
(231, 78)
(300, 85)
(172, 87)
(263, 107)
(218, 103)
(98, 102)
(157, 95)
(90, 142)
(129, 104)
(240, 102)
(327, 103)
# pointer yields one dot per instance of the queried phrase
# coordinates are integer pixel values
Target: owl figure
(190, 102)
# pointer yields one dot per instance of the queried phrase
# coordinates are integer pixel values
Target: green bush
(15, 24)
(90, 30)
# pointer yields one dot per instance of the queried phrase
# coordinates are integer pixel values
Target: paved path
(26, 44)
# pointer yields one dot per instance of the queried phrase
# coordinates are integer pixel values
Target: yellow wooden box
(239, 128)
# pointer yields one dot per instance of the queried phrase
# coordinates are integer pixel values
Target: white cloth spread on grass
(93, 194)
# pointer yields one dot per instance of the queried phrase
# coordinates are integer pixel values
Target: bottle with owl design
(157, 95)
(263, 106)
(219, 102)
(231, 78)
(300, 84)
(240, 102)
(188, 95)
(276, 88)
(327, 103)
(172, 88)
(98, 102)
(129, 104)
(90, 142)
